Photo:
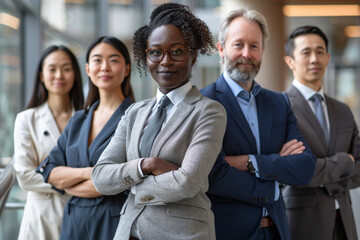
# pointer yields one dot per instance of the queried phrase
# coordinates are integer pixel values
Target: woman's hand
(65, 177)
(85, 189)
(157, 166)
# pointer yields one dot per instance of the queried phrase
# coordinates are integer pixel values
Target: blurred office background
(28, 26)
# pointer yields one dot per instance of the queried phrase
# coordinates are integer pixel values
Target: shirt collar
(236, 88)
(306, 91)
(176, 95)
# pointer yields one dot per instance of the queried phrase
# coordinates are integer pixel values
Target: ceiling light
(321, 10)
(9, 20)
(352, 31)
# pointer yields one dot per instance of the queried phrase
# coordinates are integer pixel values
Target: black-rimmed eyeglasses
(176, 54)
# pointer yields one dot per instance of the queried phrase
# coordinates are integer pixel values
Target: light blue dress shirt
(247, 103)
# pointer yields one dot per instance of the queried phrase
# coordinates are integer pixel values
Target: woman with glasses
(164, 148)
(56, 95)
(89, 214)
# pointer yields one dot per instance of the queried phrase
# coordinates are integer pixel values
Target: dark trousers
(268, 233)
(339, 230)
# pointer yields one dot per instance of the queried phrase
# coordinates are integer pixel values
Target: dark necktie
(153, 128)
(319, 113)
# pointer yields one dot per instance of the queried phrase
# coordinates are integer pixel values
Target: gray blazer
(311, 210)
(172, 205)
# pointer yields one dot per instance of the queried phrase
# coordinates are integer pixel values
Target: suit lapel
(139, 124)
(107, 131)
(85, 133)
(299, 103)
(265, 109)
(49, 124)
(184, 109)
(333, 119)
(228, 100)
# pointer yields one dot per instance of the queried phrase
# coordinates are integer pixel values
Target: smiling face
(309, 60)
(243, 50)
(169, 74)
(107, 67)
(57, 73)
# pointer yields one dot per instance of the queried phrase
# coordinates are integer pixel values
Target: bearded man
(262, 146)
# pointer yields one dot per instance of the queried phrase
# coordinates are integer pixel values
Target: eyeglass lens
(157, 54)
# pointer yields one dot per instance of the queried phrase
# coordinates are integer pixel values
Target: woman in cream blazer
(57, 93)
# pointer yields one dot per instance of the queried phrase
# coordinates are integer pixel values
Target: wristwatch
(250, 166)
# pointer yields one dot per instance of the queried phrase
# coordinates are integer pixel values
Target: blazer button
(127, 180)
(147, 198)
(46, 133)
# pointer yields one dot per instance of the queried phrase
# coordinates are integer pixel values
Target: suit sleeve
(112, 173)
(196, 165)
(297, 169)
(229, 182)
(347, 174)
(26, 158)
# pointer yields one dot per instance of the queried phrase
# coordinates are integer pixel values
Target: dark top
(72, 150)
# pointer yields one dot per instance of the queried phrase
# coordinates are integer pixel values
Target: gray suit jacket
(172, 205)
(311, 210)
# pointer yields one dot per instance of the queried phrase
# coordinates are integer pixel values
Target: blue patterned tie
(154, 127)
(319, 113)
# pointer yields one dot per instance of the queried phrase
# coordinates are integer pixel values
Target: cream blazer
(35, 135)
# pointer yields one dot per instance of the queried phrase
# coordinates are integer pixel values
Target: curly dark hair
(197, 34)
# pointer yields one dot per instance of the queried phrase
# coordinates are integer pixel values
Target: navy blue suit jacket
(238, 197)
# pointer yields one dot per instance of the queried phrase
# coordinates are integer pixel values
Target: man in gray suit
(322, 210)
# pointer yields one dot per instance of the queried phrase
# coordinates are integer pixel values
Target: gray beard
(241, 75)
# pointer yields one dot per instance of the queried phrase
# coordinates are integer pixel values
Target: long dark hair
(93, 94)
(40, 93)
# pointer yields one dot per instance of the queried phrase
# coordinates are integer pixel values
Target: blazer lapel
(265, 106)
(181, 113)
(85, 134)
(49, 126)
(139, 124)
(228, 100)
(301, 105)
(333, 119)
(108, 130)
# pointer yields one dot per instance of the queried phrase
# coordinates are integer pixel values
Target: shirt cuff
(254, 162)
(277, 191)
(139, 169)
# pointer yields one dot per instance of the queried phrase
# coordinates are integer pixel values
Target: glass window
(10, 78)
(11, 95)
(74, 26)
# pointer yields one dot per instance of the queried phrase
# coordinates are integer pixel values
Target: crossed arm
(290, 148)
(156, 166)
(75, 181)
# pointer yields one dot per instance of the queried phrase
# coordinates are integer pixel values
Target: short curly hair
(197, 34)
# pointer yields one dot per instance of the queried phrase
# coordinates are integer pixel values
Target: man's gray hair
(248, 15)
